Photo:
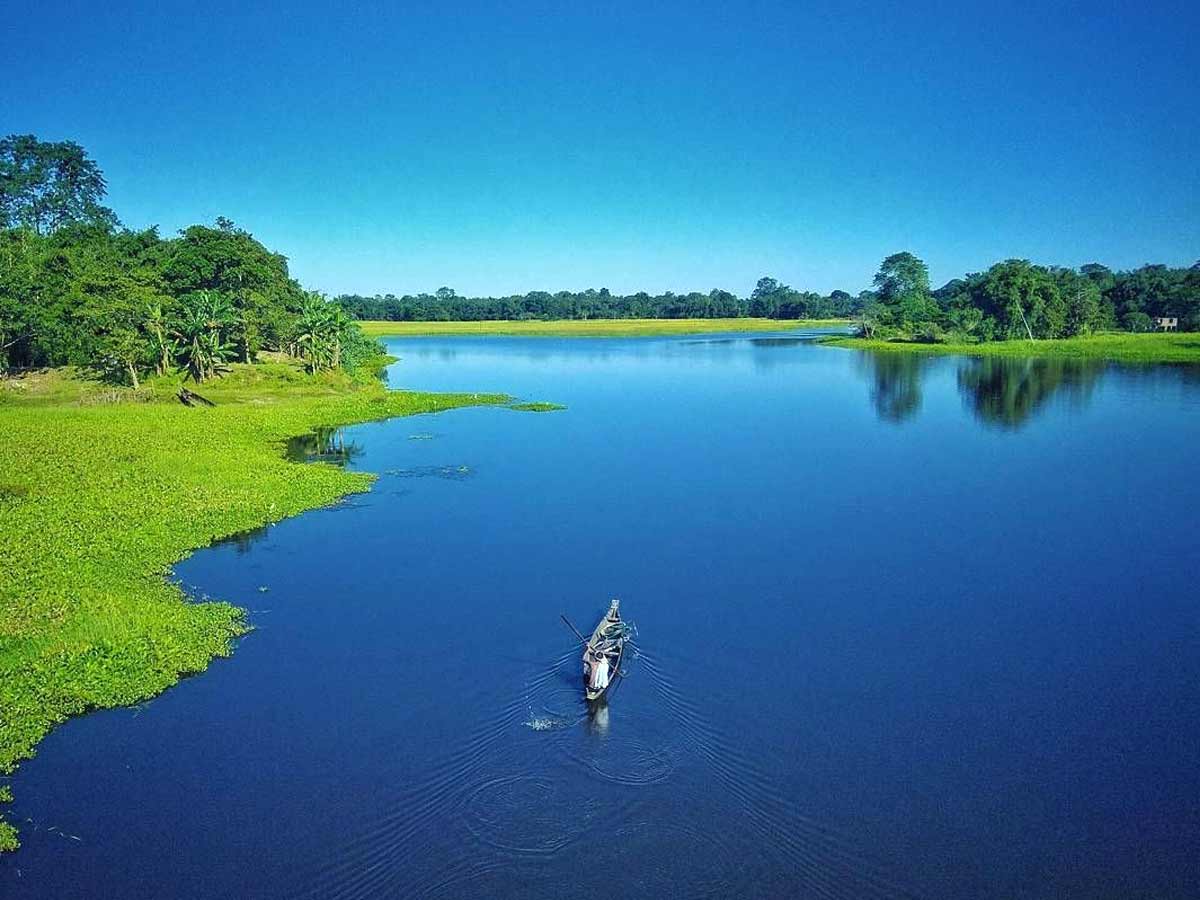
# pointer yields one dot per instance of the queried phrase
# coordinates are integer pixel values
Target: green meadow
(592, 327)
(103, 489)
(1176, 347)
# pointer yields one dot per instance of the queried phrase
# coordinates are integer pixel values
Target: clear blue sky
(499, 148)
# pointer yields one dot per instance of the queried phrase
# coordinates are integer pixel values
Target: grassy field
(102, 490)
(593, 327)
(1129, 348)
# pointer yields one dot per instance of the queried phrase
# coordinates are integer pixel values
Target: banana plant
(203, 349)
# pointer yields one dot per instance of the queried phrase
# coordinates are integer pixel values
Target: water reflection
(244, 540)
(999, 391)
(895, 383)
(322, 445)
(1008, 392)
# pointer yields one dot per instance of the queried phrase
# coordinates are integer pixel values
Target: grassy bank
(102, 490)
(1130, 348)
(593, 327)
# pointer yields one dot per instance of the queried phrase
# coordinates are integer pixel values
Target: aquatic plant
(537, 407)
(8, 834)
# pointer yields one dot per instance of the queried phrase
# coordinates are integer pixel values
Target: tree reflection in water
(895, 380)
(1007, 392)
(322, 445)
(1002, 391)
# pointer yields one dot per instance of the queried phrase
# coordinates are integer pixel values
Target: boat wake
(650, 777)
(822, 861)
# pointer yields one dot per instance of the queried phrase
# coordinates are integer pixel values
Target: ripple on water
(628, 760)
(712, 864)
(529, 815)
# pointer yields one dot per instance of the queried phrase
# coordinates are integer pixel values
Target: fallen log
(191, 398)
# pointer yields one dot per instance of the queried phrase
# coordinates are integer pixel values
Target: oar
(582, 639)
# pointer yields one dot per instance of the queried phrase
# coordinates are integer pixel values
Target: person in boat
(600, 671)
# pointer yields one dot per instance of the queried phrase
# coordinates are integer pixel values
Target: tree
(202, 345)
(902, 284)
(766, 298)
(1023, 301)
(901, 275)
(322, 332)
(1081, 297)
(227, 260)
(121, 345)
(44, 186)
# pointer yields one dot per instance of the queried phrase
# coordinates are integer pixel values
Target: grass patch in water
(8, 834)
(592, 327)
(536, 407)
(104, 490)
(1172, 347)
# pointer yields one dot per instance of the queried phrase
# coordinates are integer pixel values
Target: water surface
(907, 626)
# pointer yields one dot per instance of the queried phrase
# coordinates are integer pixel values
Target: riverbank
(102, 490)
(593, 327)
(1128, 348)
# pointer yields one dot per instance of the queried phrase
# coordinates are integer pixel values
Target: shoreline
(103, 492)
(1146, 349)
(591, 327)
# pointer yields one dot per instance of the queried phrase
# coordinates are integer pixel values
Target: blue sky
(499, 148)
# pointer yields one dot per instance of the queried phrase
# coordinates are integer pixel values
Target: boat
(602, 654)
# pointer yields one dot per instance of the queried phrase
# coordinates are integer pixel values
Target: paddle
(582, 639)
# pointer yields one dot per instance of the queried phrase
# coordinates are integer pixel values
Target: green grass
(101, 491)
(592, 327)
(537, 407)
(1129, 348)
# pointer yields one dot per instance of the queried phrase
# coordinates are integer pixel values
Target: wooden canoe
(607, 640)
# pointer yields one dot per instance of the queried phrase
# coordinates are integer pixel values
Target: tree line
(1014, 299)
(77, 288)
(1018, 300)
(770, 299)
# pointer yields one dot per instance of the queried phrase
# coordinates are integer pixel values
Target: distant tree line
(78, 289)
(1018, 300)
(1014, 299)
(770, 299)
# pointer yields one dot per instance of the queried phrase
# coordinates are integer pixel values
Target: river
(906, 627)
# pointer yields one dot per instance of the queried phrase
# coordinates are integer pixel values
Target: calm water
(905, 628)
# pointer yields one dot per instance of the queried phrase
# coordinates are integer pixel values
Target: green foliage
(46, 186)
(200, 337)
(903, 300)
(101, 498)
(770, 299)
(77, 290)
(227, 261)
(128, 304)
(537, 407)
(326, 338)
(1018, 300)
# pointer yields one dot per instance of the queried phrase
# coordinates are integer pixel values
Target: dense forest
(1017, 300)
(770, 300)
(78, 289)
